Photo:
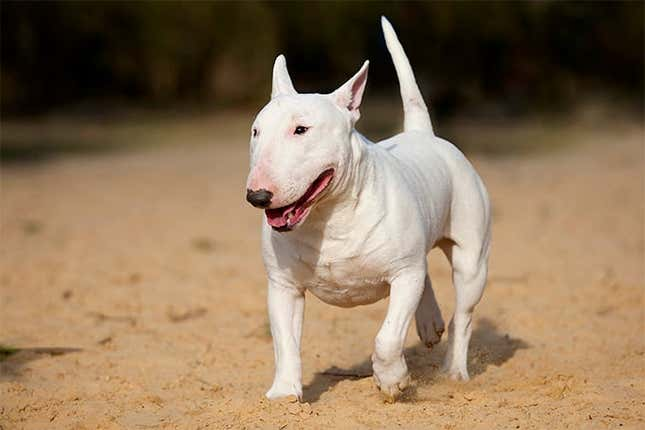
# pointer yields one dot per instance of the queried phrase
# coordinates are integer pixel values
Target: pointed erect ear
(282, 85)
(349, 96)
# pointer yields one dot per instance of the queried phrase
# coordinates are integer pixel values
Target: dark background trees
(513, 57)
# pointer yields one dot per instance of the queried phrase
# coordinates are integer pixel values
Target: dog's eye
(254, 132)
(300, 130)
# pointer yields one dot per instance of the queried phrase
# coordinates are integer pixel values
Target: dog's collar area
(287, 217)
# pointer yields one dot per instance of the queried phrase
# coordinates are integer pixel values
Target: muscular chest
(342, 276)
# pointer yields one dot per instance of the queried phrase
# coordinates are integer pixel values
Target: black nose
(259, 198)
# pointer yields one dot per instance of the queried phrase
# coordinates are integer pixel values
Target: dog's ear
(282, 85)
(350, 94)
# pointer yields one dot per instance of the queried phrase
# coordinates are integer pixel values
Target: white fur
(367, 236)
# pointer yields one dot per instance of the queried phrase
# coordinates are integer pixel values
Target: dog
(352, 221)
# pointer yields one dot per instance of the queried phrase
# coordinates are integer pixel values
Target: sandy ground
(132, 285)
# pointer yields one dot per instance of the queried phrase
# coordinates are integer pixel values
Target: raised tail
(415, 111)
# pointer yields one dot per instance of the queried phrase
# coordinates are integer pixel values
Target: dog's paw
(430, 327)
(392, 392)
(455, 373)
(391, 378)
(430, 332)
(281, 389)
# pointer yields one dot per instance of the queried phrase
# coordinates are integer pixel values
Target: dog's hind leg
(469, 271)
(430, 325)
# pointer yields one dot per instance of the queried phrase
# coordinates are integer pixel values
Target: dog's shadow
(488, 346)
(13, 360)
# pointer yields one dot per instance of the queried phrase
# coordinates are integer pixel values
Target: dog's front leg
(286, 309)
(390, 370)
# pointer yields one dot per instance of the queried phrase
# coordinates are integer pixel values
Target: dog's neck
(357, 170)
(331, 216)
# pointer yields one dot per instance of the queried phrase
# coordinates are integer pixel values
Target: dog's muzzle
(260, 198)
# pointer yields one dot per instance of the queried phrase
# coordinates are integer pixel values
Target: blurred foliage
(515, 56)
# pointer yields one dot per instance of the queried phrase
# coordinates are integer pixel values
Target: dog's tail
(415, 111)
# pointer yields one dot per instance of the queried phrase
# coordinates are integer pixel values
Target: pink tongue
(280, 217)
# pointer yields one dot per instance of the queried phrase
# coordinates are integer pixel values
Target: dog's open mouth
(287, 217)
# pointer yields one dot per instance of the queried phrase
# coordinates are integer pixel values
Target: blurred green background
(517, 56)
(476, 60)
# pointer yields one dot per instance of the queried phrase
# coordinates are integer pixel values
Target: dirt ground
(133, 296)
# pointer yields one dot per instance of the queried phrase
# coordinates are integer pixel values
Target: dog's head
(300, 147)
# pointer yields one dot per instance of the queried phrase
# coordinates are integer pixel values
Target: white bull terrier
(352, 221)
